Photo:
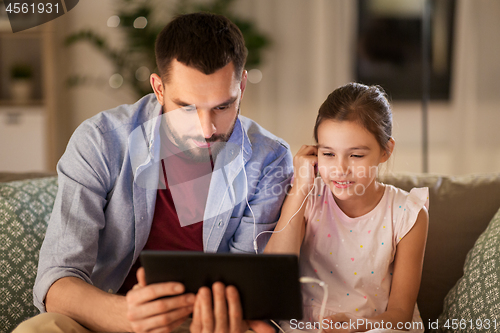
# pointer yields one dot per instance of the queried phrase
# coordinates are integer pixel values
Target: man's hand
(147, 313)
(225, 315)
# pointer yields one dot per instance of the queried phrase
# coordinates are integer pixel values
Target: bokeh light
(113, 21)
(254, 76)
(142, 73)
(140, 23)
(116, 81)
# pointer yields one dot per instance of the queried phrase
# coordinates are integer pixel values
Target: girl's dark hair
(367, 105)
(203, 41)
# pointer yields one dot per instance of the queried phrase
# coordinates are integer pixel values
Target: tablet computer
(268, 285)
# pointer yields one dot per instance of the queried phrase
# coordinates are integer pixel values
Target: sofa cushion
(475, 299)
(460, 209)
(25, 208)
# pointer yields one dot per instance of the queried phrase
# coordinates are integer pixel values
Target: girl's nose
(342, 167)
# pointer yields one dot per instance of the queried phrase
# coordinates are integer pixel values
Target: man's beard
(201, 154)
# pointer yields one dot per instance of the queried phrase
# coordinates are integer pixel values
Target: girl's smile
(348, 159)
(342, 184)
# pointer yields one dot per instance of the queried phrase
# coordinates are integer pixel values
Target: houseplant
(21, 86)
(137, 55)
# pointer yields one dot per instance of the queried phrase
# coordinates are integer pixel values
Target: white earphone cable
(275, 231)
(304, 279)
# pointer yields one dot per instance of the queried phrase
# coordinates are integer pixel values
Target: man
(118, 185)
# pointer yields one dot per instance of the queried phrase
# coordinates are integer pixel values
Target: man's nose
(207, 123)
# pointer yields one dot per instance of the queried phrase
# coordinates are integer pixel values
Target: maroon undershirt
(166, 233)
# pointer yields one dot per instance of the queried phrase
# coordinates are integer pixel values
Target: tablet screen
(268, 285)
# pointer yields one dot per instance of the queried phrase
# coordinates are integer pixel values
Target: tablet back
(268, 285)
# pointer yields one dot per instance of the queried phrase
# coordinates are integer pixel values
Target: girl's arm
(288, 236)
(406, 277)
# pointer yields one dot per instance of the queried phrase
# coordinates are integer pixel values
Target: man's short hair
(204, 41)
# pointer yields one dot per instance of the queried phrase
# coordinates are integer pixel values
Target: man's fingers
(160, 306)
(236, 322)
(168, 320)
(148, 311)
(168, 328)
(260, 326)
(195, 326)
(220, 307)
(141, 277)
(154, 291)
(206, 313)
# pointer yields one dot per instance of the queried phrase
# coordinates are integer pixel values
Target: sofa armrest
(25, 208)
(13, 176)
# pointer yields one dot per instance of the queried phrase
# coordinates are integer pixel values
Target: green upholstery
(473, 304)
(461, 208)
(25, 208)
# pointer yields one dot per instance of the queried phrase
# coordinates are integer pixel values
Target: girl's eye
(328, 154)
(357, 156)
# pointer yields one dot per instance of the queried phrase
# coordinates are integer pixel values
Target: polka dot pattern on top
(355, 256)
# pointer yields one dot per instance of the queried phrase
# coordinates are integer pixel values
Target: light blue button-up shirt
(106, 199)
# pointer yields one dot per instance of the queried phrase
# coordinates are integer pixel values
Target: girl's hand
(292, 224)
(339, 319)
(304, 164)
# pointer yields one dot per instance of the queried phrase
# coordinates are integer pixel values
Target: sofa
(461, 208)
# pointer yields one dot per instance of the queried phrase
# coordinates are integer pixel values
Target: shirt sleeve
(265, 205)
(71, 241)
(417, 199)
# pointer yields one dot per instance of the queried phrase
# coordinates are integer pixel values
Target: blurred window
(389, 46)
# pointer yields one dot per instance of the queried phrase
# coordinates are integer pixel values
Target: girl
(364, 239)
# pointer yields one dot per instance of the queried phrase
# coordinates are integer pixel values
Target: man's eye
(189, 108)
(221, 108)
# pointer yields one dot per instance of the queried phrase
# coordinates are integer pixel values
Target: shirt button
(110, 291)
(220, 223)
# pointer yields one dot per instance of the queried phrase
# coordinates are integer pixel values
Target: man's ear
(388, 152)
(157, 86)
(243, 83)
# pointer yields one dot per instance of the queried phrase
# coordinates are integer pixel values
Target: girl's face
(348, 158)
